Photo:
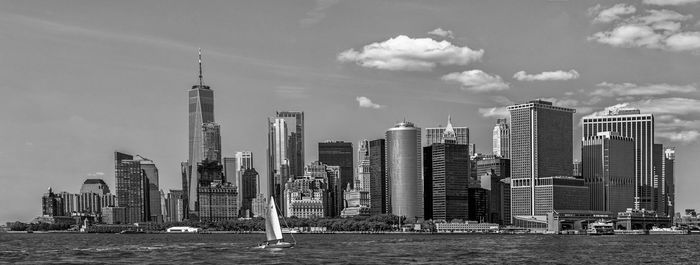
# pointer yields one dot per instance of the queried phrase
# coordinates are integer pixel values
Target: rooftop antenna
(201, 80)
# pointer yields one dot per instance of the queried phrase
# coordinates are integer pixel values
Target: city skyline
(74, 73)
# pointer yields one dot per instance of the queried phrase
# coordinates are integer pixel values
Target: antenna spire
(201, 80)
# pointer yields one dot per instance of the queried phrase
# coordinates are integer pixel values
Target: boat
(600, 228)
(273, 230)
(668, 231)
(183, 229)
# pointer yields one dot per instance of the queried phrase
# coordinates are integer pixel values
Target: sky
(82, 79)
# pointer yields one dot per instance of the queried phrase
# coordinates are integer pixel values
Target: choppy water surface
(348, 249)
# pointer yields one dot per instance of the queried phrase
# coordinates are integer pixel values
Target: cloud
(498, 112)
(684, 41)
(677, 119)
(409, 54)
(670, 2)
(367, 103)
(629, 89)
(613, 13)
(546, 76)
(317, 14)
(442, 33)
(657, 29)
(477, 81)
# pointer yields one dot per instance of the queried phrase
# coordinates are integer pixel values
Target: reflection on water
(347, 248)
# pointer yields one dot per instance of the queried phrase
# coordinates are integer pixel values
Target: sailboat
(273, 231)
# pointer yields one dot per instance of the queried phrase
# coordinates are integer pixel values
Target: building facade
(541, 146)
(218, 202)
(404, 170)
(338, 153)
(608, 172)
(52, 204)
(435, 134)
(132, 187)
(640, 127)
(446, 173)
(201, 111)
(379, 189)
(501, 139)
(492, 172)
(248, 191)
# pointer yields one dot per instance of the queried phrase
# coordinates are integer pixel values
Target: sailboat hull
(278, 245)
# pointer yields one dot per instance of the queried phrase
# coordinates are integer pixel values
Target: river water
(348, 249)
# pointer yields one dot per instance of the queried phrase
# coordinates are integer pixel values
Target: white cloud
(499, 112)
(657, 29)
(613, 13)
(477, 80)
(684, 41)
(629, 89)
(442, 33)
(670, 2)
(409, 54)
(545, 76)
(367, 103)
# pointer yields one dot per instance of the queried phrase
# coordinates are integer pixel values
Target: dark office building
(52, 204)
(608, 171)
(478, 204)
(657, 161)
(492, 172)
(132, 185)
(446, 172)
(338, 154)
(378, 190)
(249, 189)
(541, 144)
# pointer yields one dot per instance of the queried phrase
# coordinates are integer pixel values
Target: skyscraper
(608, 172)
(669, 191)
(378, 190)
(174, 204)
(150, 171)
(201, 111)
(230, 171)
(541, 147)
(244, 160)
(132, 187)
(492, 172)
(404, 170)
(277, 157)
(97, 186)
(435, 134)
(211, 142)
(640, 127)
(295, 151)
(52, 204)
(446, 173)
(363, 167)
(338, 153)
(248, 191)
(501, 139)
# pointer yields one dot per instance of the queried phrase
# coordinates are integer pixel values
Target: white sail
(273, 231)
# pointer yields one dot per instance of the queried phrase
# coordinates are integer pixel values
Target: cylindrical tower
(404, 170)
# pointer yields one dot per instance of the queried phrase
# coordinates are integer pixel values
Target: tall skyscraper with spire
(501, 139)
(201, 111)
(446, 172)
(436, 134)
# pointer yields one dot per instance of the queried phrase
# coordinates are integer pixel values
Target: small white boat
(668, 231)
(273, 231)
(600, 228)
(183, 229)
